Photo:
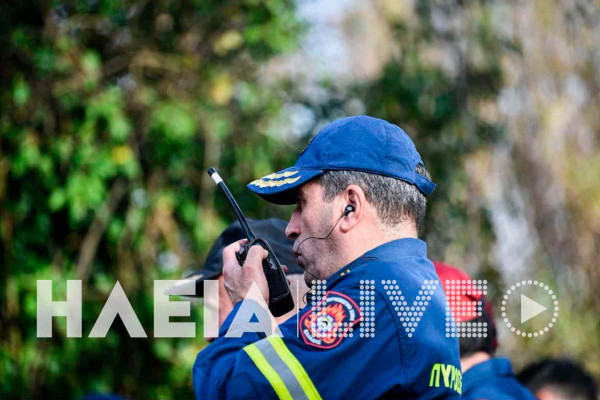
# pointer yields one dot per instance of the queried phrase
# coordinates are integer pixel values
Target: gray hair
(394, 200)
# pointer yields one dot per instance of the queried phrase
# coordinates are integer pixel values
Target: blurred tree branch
(89, 245)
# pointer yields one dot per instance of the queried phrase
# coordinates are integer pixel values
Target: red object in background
(462, 304)
(462, 295)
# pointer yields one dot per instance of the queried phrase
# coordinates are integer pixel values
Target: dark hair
(487, 344)
(561, 376)
(395, 200)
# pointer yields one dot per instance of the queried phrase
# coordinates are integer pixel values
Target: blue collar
(493, 368)
(399, 248)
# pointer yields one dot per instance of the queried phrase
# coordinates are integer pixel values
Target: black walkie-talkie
(280, 296)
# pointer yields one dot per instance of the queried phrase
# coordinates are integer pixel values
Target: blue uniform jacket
(493, 380)
(377, 332)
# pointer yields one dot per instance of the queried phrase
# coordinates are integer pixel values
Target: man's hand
(238, 280)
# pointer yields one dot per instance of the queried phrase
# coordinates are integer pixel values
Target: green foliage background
(111, 112)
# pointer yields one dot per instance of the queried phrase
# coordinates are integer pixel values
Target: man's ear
(353, 196)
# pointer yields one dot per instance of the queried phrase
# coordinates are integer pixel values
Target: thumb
(256, 255)
(230, 250)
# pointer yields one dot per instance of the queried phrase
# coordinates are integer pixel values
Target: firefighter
(374, 324)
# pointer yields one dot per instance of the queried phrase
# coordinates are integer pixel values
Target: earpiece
(348, 209)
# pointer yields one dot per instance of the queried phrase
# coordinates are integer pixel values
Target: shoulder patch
(329, 321)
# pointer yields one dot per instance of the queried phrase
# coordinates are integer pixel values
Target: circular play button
(529, 308)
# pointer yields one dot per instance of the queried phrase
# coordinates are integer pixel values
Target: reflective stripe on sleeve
(265, 368)
(283, 371)
(296, 368)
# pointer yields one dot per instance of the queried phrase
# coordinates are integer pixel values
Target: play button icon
(530, 308)
(519, 300)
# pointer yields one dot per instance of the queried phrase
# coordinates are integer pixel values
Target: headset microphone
(349, 208)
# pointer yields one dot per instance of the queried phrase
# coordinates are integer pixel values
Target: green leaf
(173, 120)
(57, 199)
(21, 91)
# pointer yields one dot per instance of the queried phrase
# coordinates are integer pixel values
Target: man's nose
(292, 230)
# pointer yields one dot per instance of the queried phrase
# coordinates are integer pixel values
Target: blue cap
(358, 143)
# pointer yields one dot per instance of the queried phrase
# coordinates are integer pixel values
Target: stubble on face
(316, 222)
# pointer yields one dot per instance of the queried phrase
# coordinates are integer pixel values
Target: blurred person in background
(558, 379)
(485, 377)
(273, 231)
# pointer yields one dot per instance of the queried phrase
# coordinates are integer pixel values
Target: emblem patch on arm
(329, 321)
